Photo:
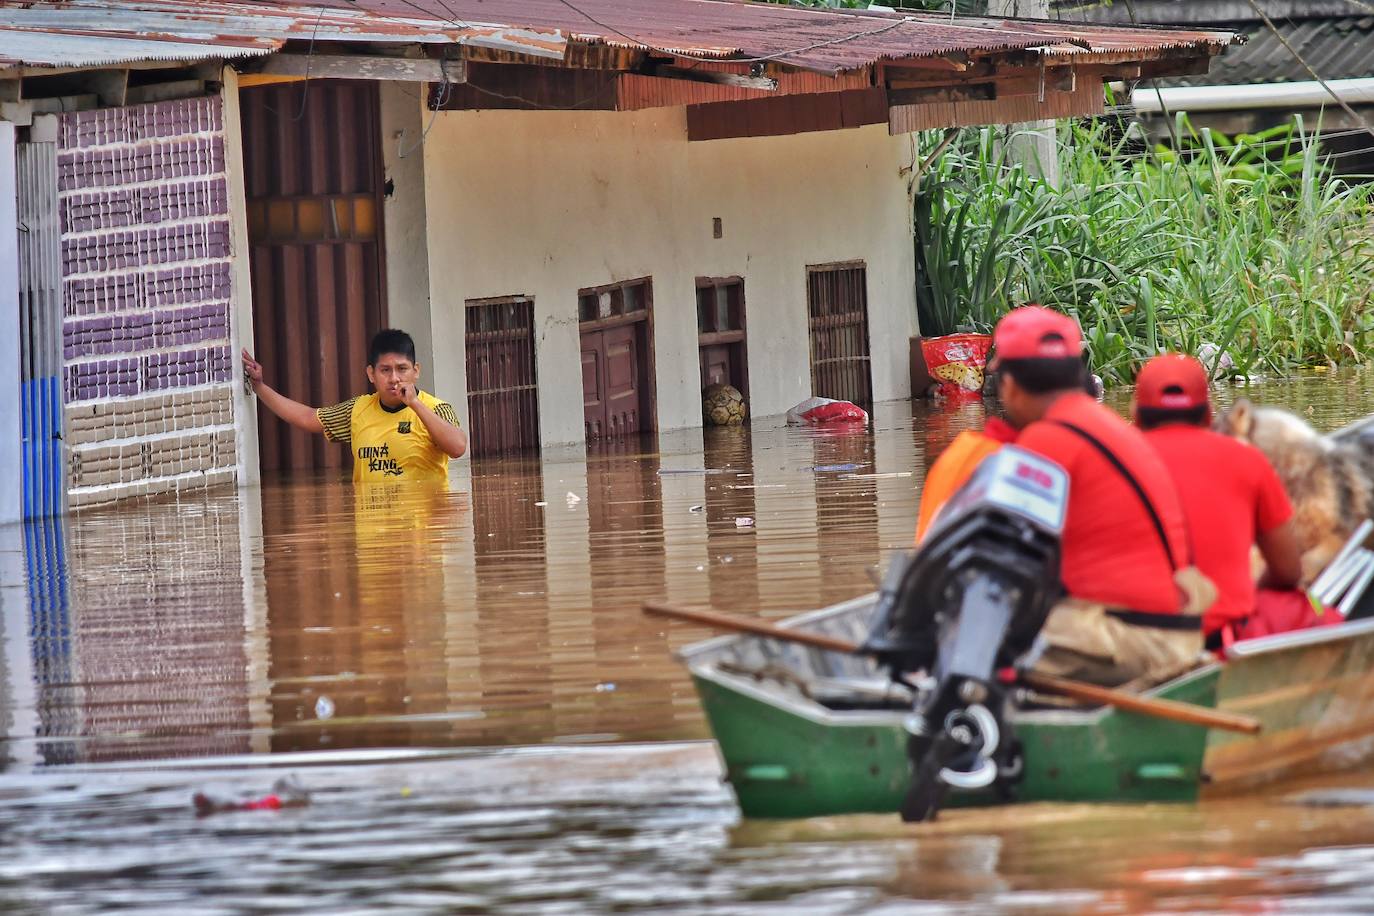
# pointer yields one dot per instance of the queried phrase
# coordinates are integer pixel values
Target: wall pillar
(403, 205)
(11, 436)
(241, 283)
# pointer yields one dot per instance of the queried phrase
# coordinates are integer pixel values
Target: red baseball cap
(1035, 332)
(1172, 381)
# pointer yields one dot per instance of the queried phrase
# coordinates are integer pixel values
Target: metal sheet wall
(313, 181)
(40, 323)
(837, 302)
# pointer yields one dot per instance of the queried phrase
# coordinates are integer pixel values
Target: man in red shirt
(1231, 495)
(1134, 595)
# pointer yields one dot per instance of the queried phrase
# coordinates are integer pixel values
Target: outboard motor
(968, 602)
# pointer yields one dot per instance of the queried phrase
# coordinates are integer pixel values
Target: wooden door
(612, 370)
(622, 393)
(593, 384)
(720, 333)
(503, 402)
(312, 175)
(837, 304)
(617, 359)
(716, 366)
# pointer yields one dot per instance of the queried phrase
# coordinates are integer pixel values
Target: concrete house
(583, 212)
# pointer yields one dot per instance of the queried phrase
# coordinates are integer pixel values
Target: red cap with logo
(1035, 332)
(1172, 381)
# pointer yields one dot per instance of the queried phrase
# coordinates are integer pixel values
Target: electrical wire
(446, 88)
(309, 59)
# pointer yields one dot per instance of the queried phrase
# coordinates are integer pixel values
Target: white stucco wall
(545, 203)
(403, 206)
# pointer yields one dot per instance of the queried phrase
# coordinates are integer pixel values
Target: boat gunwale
(1297, 639)
(1248, 648)
(822, 715)
(848, 718)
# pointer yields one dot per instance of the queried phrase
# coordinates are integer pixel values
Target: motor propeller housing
(969, 601)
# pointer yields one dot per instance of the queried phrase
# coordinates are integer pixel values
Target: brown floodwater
(464, 679)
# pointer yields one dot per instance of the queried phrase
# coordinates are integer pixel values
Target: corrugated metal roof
(1335, 48)
(1201, 13)
(812, 39)
(87, 33)
(825, 41)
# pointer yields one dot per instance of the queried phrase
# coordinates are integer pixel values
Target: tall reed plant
(1249, 245)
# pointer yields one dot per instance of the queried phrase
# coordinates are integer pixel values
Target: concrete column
(11, 432)
(1032, 144)
(407, 251)
(18, 716)
(241, 282)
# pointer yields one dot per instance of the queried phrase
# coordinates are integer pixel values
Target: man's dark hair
(1041, 375)
(1151, 417)
(390, 340)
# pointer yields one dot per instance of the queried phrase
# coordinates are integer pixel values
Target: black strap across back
(1130, 479)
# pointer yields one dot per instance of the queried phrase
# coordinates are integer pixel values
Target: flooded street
(448, 671)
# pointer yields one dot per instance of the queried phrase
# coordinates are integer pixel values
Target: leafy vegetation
(1246, 248)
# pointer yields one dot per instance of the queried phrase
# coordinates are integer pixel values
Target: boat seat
(842, 693)
(838, 693)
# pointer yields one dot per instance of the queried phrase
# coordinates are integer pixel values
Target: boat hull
(787, 755)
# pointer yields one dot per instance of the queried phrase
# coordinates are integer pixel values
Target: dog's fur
(1330, 479)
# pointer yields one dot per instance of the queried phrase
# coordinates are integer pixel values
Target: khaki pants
(1086, 643)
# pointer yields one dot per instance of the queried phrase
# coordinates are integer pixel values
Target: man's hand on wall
(252, 370)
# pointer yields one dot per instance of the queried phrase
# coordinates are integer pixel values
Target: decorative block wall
(148, 365)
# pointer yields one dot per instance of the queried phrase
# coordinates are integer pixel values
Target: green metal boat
(806, 732)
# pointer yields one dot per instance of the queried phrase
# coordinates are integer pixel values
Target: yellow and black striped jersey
(388, 444)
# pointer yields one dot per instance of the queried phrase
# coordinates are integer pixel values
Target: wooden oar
(1088, 693)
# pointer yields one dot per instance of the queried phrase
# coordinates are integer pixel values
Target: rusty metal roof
(101, 32)
(88, 33)
(822, 40)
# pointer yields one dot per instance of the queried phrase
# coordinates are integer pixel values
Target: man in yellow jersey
(400, 433)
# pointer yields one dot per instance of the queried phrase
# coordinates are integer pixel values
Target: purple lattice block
(105, 378)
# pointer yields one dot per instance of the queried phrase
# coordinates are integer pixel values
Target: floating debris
(887, 476)
(287, 792)
(744, 521)
(324, 708)
(821, 468)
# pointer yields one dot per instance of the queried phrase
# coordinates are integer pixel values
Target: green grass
(1249, 244)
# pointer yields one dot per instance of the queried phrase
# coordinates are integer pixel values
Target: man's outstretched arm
(301, 416)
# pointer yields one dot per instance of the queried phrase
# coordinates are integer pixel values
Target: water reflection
(135, 629)
(356, 595)
(310, 615)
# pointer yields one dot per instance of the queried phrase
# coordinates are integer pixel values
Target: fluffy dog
(1330, 479)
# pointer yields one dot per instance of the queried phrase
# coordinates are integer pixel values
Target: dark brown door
(717, 367)
(617, 360)
(503, 402)
(837, 302)
(312, 171)
(612, 394)
(720, 333)
(593, 375)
